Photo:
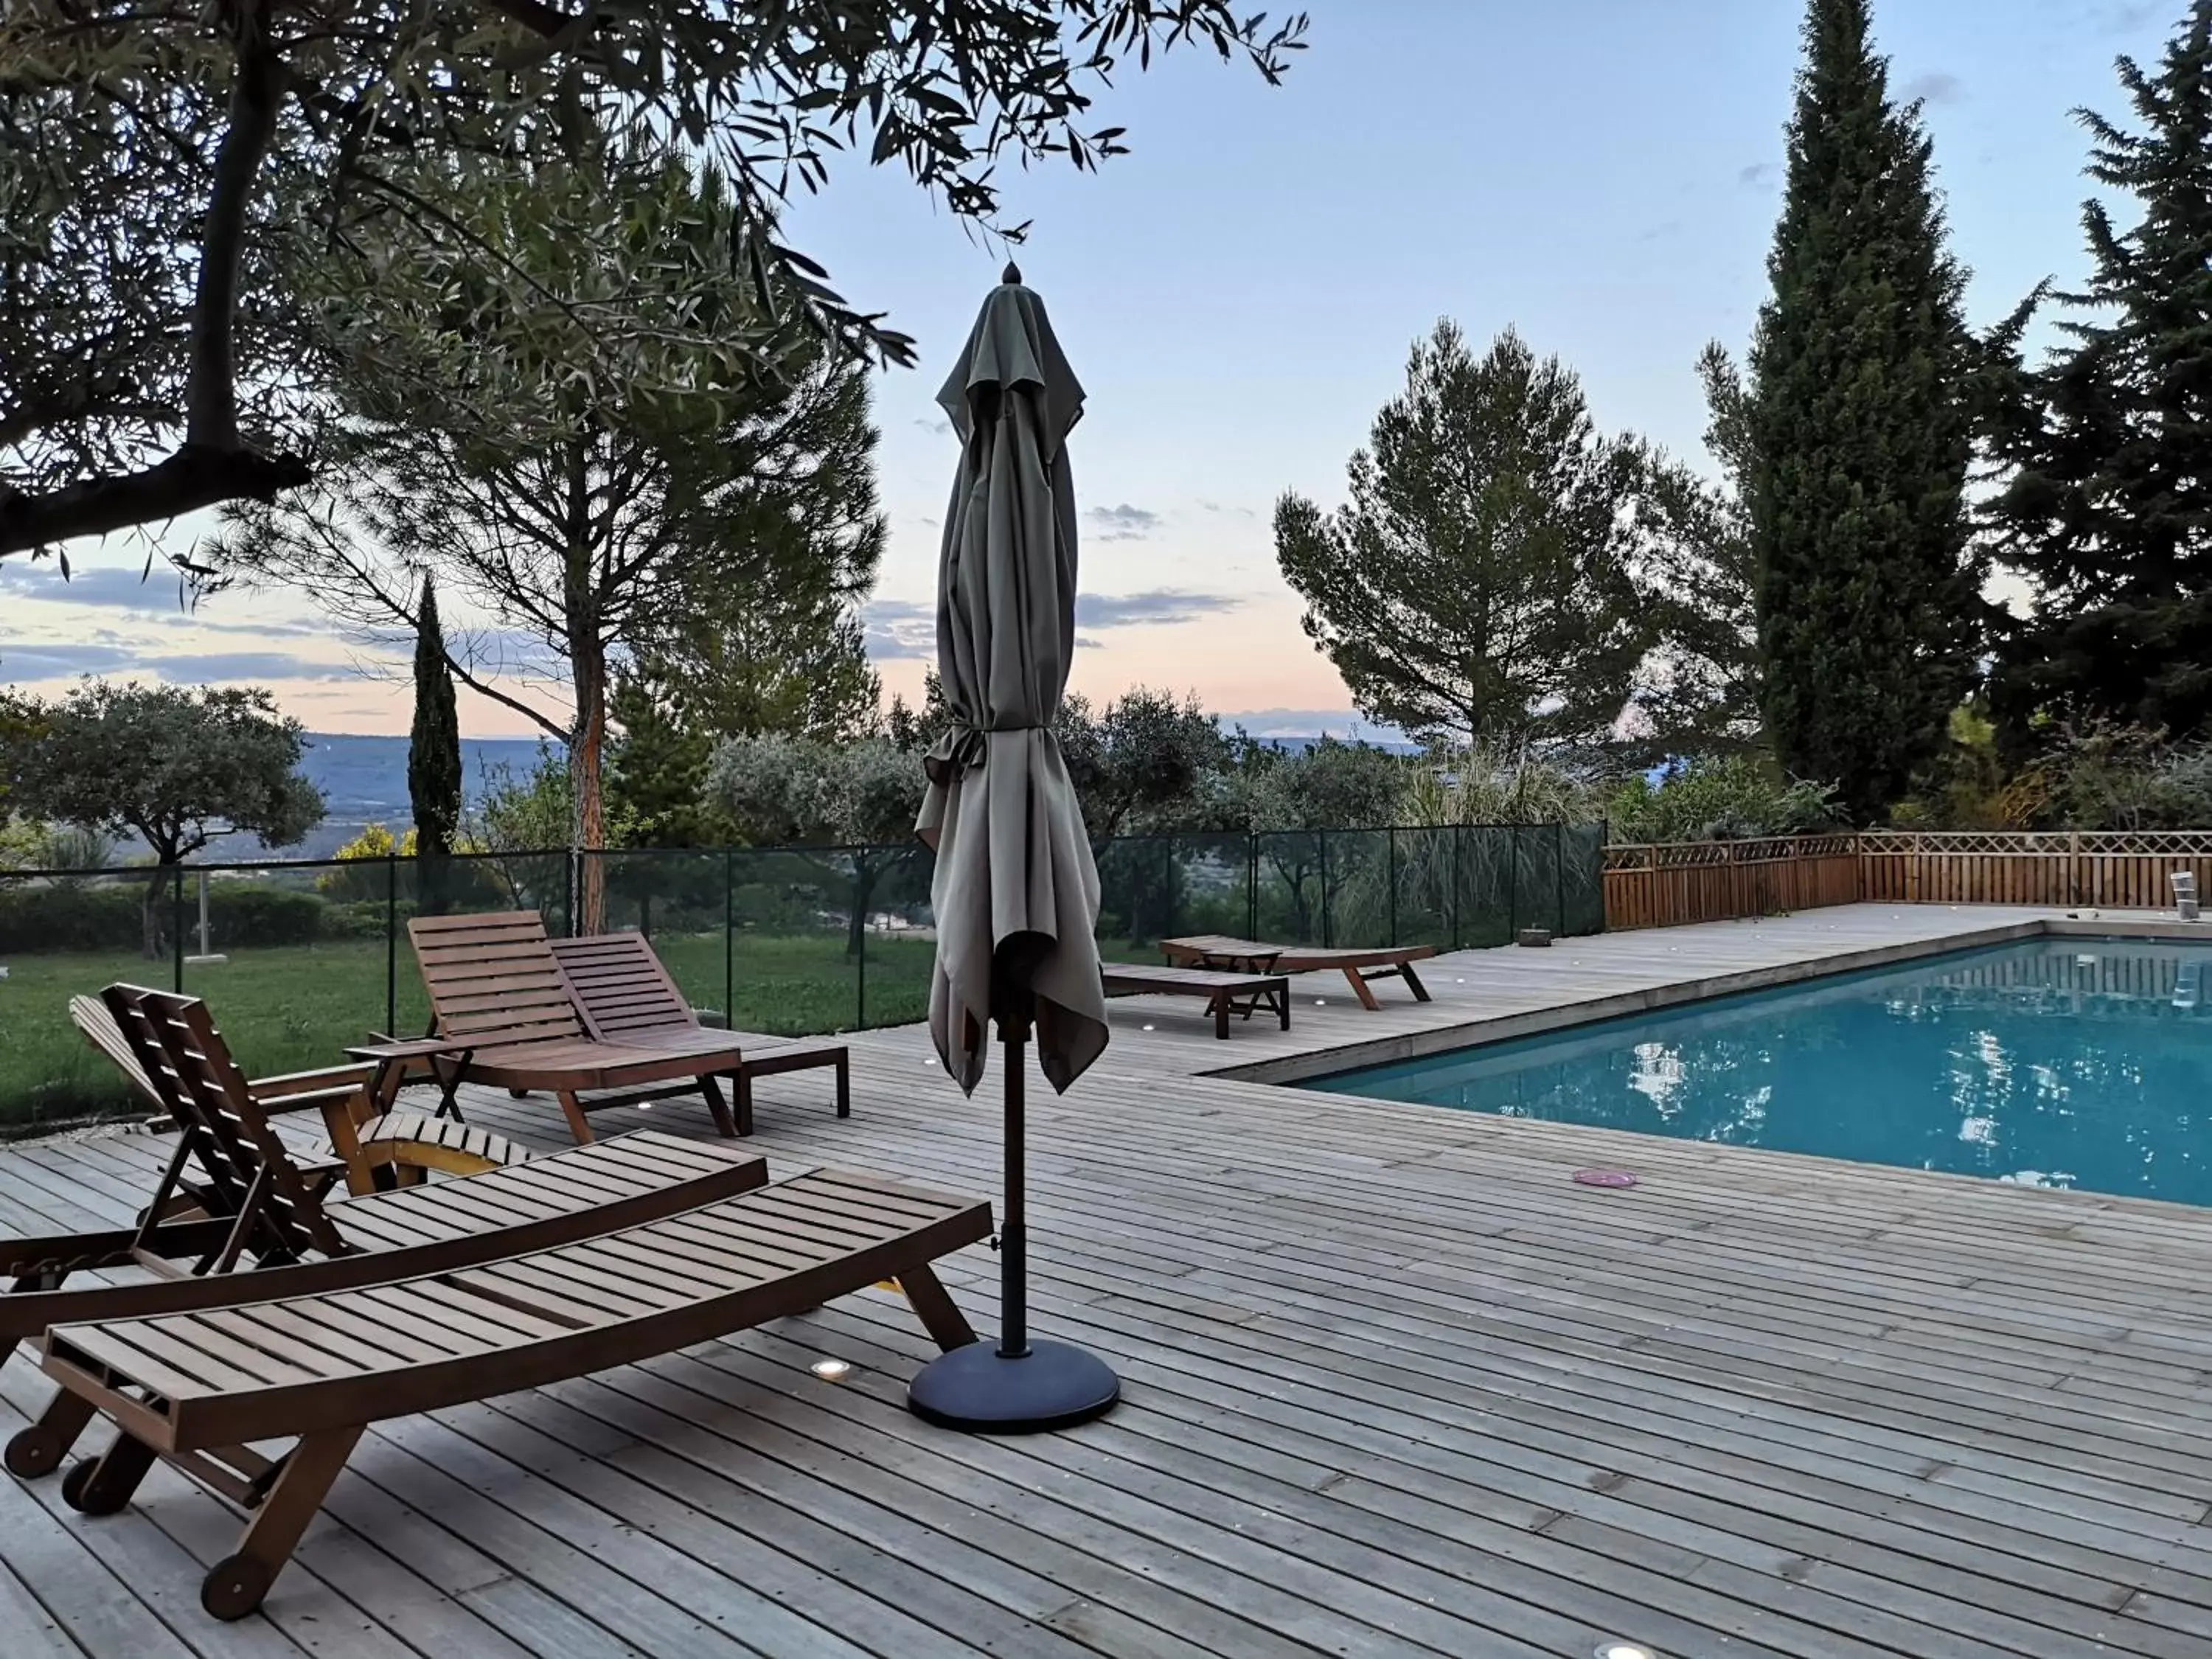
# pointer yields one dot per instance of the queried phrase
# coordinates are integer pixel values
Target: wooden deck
(1394, 1385)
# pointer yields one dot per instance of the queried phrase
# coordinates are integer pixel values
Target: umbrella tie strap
(961, 748)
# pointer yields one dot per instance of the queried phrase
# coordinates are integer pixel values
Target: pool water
(2080, 1063)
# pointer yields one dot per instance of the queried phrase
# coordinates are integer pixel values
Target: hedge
(107, 916)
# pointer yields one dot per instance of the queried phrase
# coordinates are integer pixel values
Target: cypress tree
(434, 756)
(2107, 507)
(1861, 434)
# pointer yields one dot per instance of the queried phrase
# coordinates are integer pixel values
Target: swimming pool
(2057, 1062)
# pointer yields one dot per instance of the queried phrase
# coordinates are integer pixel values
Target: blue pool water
(2082, 1063)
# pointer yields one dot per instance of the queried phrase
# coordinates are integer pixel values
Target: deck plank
(1394, 1386)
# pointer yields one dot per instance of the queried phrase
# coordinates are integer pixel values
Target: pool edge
(1536, 1022)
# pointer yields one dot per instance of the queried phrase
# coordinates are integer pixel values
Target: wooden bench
(1361, 967)
(194, 1389)
(495, 986)
(1224, 993)
(626, 995)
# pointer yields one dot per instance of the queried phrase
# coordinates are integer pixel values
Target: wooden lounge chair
(233, 1197)
(626, 995)
(495, 985)
(1224, 993)
(388, 1148)
(1248, 955)
(193, 1390)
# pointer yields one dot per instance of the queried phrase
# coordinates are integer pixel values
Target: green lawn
(285, 1009)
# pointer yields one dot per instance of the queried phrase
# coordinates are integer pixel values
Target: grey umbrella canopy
(1016, 889)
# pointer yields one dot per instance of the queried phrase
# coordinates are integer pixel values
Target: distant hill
(365, 780)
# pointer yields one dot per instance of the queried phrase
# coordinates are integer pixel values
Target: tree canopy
(1861, 421)
(582, 514)
(162, 174)
(1696, 569)
(2105, 449)
(177, 767)
(1477, 581)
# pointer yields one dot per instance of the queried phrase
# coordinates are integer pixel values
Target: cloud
(900, 630)
(1758, 174)
(1084, 642)
(2127, 18)
(1660, 232)
(1238, 512)
(56, 661)
(159, 591)
(1937, 87)
(1124, 523)
(1160, 607)
(941, 428)
(905, 630)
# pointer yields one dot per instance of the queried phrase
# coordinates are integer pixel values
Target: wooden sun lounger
(1362, 968)
(391, 1148)
(495, 986)
(193, 1390)
(627, 995)
(1224, 993)
(234, 1197)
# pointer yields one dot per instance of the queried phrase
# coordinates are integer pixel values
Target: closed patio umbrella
(1016, 891)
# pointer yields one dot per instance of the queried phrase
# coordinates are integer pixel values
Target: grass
(288, 1008)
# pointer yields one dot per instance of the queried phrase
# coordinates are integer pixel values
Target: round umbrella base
(1055, 1385)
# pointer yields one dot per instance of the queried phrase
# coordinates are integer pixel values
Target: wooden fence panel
(1670, 884)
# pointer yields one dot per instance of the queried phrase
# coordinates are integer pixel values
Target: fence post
(1322, 836)
(1167, 887)
(1513, 883)
(2073, 866)
(861, 964)
(1251, 884)
(1560, 876)
(1458, 834)
(1392, 833)
(729, 939)
(177, 930)
(391, 944)
(568, 892)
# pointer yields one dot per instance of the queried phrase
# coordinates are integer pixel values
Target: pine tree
(2107, 507)
(1861, 380)
(1477, 582)
(434, 756)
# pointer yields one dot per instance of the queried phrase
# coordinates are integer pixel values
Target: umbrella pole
(1018, 1387)
(1014, 1235)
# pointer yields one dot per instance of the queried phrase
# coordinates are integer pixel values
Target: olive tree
(178, 767)
(164, 167)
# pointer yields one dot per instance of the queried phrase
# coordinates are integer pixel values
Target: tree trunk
(585, 754)
(587, 664)
(157, 885)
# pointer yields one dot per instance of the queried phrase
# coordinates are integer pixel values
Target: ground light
(1624, 1650)
(836, 1370)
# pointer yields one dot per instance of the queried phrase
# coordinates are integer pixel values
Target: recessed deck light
(832, 1371)
(1624, 1650)
(1151, 1028)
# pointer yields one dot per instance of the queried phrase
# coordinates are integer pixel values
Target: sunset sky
(1239, 293)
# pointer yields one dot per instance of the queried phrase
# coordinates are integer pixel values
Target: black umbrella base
(1055, 1385)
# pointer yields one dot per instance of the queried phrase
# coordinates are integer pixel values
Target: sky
(1238, 295)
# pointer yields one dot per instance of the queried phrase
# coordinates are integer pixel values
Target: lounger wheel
(82, 1494)
(233, 1587)
(33, 1452)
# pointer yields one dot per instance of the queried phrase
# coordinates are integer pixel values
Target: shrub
(43, 915)
(241, 914)
(1720, 798)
